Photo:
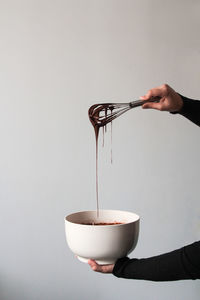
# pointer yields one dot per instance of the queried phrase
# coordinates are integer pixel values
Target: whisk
(103, 113)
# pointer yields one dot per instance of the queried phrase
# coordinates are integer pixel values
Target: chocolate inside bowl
(103, 223)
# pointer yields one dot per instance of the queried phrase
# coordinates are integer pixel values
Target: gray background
(56, 59)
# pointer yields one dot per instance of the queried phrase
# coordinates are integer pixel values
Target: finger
(100, 268)
(160, 91)
(107, 268)
(151, 93)
(94, 265)
(152, 105)
(156, 92)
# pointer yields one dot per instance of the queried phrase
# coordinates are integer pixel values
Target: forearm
(180, 264)
(191, 110)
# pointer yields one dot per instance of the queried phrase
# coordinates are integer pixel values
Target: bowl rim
(101, 210)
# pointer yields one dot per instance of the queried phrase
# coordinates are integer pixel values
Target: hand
(170, 100)
(100, 268)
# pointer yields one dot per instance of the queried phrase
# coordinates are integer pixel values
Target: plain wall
(56, 59)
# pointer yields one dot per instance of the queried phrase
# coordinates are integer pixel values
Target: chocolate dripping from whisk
(96, 127)
(97, 160)
(96, 130)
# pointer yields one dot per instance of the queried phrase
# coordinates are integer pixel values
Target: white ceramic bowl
(103, 243)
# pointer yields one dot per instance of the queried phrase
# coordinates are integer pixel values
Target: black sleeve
(190, 110)
(180, 264)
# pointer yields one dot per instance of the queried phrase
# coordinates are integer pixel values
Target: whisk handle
(141, 102)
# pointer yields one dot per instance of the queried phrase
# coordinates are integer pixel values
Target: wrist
(179, 104)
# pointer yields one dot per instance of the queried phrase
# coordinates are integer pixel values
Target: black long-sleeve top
(191, 110)
(183, 263)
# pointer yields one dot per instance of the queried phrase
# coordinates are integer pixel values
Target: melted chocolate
(103, 223)
(94, 116)
(102, 114)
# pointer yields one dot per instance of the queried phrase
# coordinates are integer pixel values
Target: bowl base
(100, 262)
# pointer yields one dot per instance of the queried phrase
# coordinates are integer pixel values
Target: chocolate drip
(111, 124)
(102, 114)
(106, 114)
(111, 156)
(96, 128)
(103, 136)
(93, 118)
